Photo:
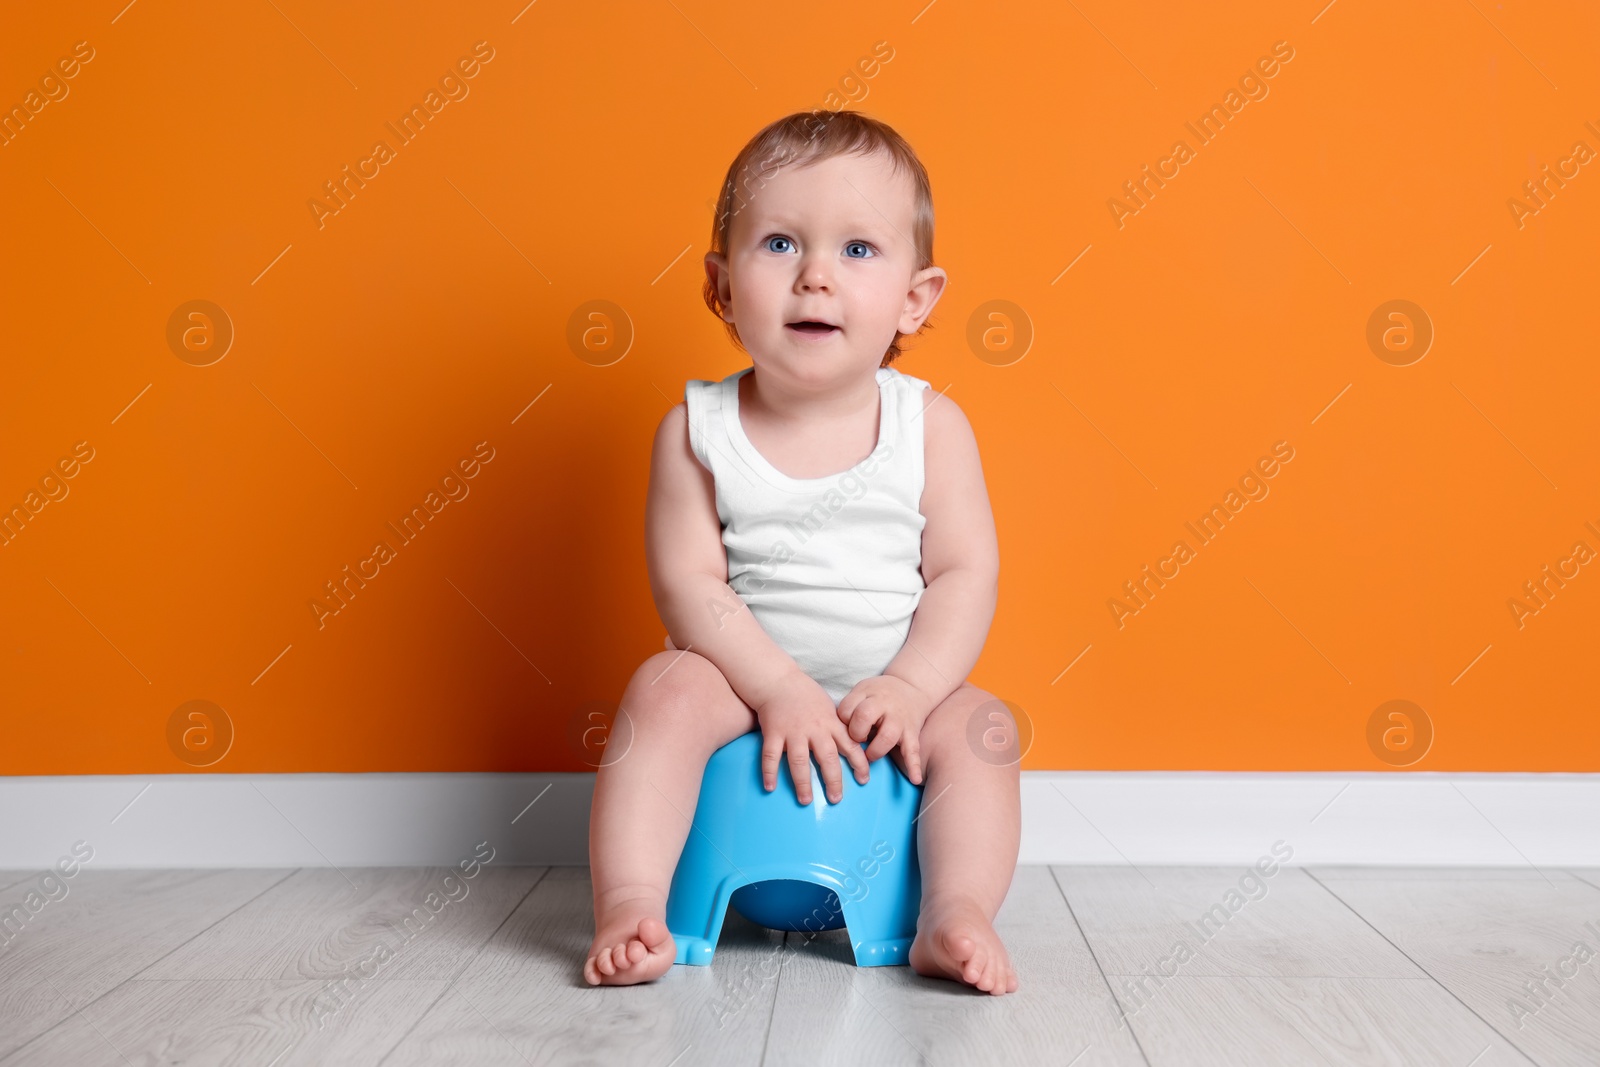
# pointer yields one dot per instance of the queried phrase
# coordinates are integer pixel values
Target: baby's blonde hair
(807, 137)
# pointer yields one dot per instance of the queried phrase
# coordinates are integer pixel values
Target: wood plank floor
(1156, 966)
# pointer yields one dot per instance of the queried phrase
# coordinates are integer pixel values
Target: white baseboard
(1097, 817)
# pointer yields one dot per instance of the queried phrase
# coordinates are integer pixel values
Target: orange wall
(375, 348)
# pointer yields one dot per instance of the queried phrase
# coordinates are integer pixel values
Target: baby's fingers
(913, 756)
(771, 756)
(847, 706)
(800, 768)
(863, 719)
(888, 736)
(857, 758)
(828, 763)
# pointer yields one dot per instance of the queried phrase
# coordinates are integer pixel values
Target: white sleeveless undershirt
(830, 567)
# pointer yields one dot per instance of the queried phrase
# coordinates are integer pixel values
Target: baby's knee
(669, 686)
(661, 680)
(685, 696)
(975, 726)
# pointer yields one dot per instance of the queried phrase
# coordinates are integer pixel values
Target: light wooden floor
(1330, 966)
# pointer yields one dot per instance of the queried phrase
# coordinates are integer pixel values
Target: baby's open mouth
(811, 326)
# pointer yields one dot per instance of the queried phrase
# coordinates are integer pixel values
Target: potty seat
(787, 867)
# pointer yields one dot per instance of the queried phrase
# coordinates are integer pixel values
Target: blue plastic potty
(787, 867)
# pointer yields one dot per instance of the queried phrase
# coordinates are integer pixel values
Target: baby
(821, 549)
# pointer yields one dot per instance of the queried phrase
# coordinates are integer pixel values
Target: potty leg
(695, 910)
(883, 923)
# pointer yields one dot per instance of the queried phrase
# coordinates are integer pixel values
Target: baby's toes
(1005, 976)
(619, 956)
(653, 933)
(972, 970)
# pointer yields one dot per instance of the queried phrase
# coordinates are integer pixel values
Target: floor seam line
(772, 1007)
(1451, 992)
(451, 982)
(1095, 956)
(152, 963)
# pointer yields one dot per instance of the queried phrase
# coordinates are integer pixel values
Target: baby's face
(825, 243)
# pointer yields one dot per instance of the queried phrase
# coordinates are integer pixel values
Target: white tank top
(830, 567)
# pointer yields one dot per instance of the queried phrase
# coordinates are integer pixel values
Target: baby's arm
(961, 572)
(689, 580)
(960, 558)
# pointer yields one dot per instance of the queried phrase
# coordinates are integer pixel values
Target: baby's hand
(898, 709)
(799, 716)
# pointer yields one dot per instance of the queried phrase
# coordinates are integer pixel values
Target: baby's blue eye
(858, 244)
(776, 238)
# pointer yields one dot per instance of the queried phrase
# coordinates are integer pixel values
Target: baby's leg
(968, 834)
(680, 710)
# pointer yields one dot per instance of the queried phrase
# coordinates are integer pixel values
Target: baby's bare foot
(631, 944)
(956, 941)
